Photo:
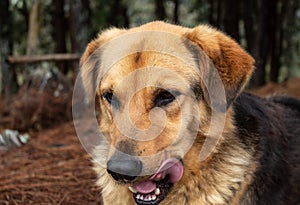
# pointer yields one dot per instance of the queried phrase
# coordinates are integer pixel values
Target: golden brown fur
(222, 178)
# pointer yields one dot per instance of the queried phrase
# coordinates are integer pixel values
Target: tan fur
(220, 179)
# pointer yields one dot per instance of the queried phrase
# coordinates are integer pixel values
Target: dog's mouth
(153, 190)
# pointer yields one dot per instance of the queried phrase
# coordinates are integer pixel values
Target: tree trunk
(160, 11)
(34, 27)
(215, 13)
(276, 38)
(211, 13)
(290, 30)
(83, 25)
(249, 9)
(220, 13)
(124, 13)
(8, 82)
(80, 28)
(59, 31)
(231, 18)
(262, 44)
(118, 15)
(176, 11)
(4, 48)
(72, 27)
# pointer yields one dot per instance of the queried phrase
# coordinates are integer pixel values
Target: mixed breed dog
(178, 126)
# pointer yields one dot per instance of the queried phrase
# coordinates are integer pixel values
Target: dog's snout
(123, 167)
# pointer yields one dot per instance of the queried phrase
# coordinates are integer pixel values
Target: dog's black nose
(123, 167)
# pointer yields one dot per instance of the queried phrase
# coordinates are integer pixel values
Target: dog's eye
(164, 98)
(108, 97)
(111, 99)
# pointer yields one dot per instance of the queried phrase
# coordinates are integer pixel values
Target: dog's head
(157, 86)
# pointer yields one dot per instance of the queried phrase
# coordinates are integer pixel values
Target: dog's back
(271, 126)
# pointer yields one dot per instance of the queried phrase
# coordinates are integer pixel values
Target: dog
(177, 127)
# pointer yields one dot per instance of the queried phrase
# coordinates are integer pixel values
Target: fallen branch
(41, 58)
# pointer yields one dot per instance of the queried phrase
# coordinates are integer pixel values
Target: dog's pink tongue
(171, 167)
(145, 187)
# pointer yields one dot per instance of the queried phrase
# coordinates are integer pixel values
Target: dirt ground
(53, 168)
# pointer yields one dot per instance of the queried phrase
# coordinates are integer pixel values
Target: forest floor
(53, 168)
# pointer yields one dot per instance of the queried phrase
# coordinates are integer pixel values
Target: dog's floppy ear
(234, 65)
(90, 61)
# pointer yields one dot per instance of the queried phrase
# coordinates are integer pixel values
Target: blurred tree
(118, 14)
(249, 11)
(83, 24)
(262, 42)
(214, 14)
(160, 10)
(290, 30)
(8, 84)
(72, 32)
(232, 18)
(71, 21)
(176, 11)
(278, 8)
(267, 37)
(105, 14)
(79, 27)
(59, 26)
(34, 27)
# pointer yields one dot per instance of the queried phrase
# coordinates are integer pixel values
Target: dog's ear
(90, 61)
(234, 65)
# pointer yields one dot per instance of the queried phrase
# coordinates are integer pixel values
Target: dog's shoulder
(279, 111)
(288, 103)
(271, 126)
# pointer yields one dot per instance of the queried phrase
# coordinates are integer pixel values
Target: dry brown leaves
(52, 168)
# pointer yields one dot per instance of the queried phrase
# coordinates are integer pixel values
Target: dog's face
(157, 86)
(142, 98)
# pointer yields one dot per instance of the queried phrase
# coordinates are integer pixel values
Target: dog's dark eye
(108, 97)
(111, 99)
(164, 98)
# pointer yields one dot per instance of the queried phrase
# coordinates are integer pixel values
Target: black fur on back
(271, 127)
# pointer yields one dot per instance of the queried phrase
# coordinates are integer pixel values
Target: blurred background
(269, 30)
(41, 42)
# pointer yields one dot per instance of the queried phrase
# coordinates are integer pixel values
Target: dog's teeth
(146, 197)
(157, 191)
(132, 189)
